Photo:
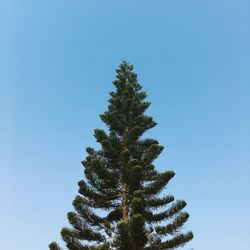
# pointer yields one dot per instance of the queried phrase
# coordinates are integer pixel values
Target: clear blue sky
(57, 64)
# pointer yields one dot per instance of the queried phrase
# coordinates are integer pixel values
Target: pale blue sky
(57, 64)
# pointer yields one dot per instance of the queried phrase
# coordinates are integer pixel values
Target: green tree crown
(121, 180)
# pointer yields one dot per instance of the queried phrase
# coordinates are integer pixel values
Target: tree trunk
(125, 216)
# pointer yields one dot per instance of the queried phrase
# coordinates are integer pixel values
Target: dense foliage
(119, 205)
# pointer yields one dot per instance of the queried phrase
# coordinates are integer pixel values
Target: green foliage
(54, 246)
(123, 240)
(121, 180)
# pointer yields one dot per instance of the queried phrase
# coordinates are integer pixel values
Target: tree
(122, 182)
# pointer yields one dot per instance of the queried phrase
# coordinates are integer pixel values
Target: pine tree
(122, 182)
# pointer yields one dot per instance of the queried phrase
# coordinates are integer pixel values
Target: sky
(57, 64)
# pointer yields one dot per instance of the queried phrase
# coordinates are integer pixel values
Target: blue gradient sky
(57, 63)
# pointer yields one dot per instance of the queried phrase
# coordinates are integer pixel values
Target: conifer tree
(122, 182)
